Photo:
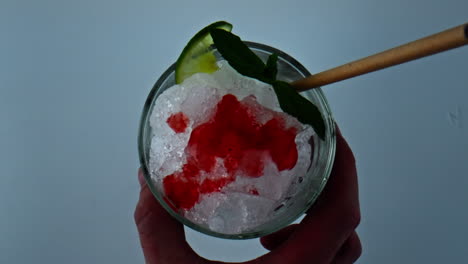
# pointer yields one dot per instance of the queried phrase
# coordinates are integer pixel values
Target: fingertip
(141, 177)
(342, 146)
(162, 237)
(146, 203)
(340, 140)
(350, 251)
(274, 240)
(266, 243)
(337, 130)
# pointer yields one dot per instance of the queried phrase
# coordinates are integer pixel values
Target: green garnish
(271, 68)
(294, 104)
(244, 61)
(197, 55)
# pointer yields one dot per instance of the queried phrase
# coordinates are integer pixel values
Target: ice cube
(204, 211)
(247, 201)
(242, 86)
(231, 213)
(167, 146)
(271, 185)
(200, 103)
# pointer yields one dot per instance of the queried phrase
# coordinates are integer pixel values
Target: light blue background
(74, 76)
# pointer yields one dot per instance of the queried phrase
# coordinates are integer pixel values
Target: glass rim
(328, 117)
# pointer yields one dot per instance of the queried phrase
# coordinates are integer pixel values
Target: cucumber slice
(197, 55)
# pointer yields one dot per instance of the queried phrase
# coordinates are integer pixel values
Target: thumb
(161, 236)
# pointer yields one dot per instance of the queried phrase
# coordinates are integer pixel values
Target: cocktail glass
(303, 191)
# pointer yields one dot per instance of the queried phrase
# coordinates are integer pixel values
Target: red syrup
(235, 136)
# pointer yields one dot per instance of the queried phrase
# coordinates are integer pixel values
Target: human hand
(325, 236)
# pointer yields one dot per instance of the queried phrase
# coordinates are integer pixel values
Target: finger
(350, 251)
(342, 182)
(332, 219)
(161, 236)
(141, 178)
(272, 241)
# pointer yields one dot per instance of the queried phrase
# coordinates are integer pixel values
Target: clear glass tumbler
(307, 187)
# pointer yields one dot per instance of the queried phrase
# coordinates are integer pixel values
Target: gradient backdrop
(74, 76)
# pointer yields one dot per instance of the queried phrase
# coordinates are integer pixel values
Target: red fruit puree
(234, 135)
(178, 122)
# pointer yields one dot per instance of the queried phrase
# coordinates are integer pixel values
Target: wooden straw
(445, 40)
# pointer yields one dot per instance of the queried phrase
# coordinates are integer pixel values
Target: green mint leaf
(294, 104)
(238, 55)
(245, 62)
(271, 68)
